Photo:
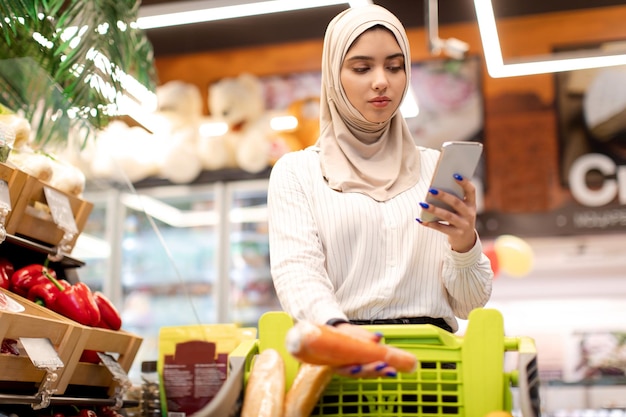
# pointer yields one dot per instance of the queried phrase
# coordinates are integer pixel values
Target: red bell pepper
(77, 303)
(86, 412)
(89, 356)
(27, 277)
(44, 294)
(72, 301)
(6, 271)
(110, 317)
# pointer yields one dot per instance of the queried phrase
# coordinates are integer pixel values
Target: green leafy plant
(64, 62)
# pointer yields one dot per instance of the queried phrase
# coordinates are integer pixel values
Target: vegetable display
(325, 345)
(40, 284)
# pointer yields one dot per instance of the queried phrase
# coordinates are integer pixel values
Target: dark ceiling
(311, 23)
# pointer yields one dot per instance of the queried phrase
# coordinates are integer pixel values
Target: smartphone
(455, 158)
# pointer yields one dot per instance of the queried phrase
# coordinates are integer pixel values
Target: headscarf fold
(376, 159)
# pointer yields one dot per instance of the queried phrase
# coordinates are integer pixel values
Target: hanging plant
(65, 64)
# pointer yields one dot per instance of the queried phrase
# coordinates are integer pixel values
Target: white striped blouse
(345, 255)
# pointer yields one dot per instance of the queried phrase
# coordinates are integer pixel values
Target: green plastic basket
(456, 375)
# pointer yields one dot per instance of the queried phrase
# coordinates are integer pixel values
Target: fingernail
(381, 366)
(379, 334)
(356, 369)
(418, 220)
(433, 191)
(391, 373)
(458, 177)
(424, 205)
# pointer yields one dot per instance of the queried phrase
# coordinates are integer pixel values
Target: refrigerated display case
(171, 255)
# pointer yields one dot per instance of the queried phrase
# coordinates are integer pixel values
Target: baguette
(326, 345)
(306, 390)
(265, 392)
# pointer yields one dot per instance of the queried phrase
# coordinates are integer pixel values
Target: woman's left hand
(459, 224)
(368, 370)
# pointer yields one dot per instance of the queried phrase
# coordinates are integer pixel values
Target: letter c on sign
(578, 184)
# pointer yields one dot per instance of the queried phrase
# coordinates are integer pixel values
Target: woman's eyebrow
(360, 58)
(369, 58)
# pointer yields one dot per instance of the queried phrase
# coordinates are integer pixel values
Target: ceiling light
(605, 56)
(186, 12)
(452, 47)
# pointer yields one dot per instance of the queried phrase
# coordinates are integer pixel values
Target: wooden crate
(15, 180)
(28, 220)
(121, 344)
(63, 335)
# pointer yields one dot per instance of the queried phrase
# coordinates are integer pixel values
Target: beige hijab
(385, 162)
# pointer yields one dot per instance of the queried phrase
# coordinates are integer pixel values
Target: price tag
(113, 366)
(41, 353)
(61, 210)
(5, 196)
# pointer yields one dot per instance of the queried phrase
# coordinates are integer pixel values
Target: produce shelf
(25, 248)
(58, 400)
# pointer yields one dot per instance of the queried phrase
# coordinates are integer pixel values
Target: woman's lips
(380, 101)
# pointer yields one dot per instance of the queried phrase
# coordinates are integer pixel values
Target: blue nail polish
(418, 220)
(424, 205)
(433, 191)
(356, 369)
(391, 373)
(458, 177)
(381, 366)
(379, 334)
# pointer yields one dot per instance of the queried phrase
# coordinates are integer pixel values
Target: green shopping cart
(460, 376)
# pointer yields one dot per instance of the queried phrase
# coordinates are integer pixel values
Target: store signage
(612, 187)
(598, 187)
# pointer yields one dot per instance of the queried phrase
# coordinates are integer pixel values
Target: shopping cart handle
(414, 334)
(528, 377)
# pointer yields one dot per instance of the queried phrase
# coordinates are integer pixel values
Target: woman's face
(373, 76)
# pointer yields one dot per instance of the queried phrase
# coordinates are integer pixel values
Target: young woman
(345, 246)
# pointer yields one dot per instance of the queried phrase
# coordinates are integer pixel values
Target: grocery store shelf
(77, 401)
(15, 243)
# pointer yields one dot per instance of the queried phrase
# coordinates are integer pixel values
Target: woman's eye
(395, 68)
(360, 69)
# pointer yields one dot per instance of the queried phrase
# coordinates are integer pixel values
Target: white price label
(113, 366)
(5, 196)
(41, 353)
(61, 210)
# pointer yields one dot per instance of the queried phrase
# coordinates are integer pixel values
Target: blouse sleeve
(468, 278)
(296, 254)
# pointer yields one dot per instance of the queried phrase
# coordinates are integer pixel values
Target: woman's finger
(370, 370)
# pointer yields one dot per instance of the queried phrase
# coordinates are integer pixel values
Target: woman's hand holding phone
(460, 222)
(450, 205)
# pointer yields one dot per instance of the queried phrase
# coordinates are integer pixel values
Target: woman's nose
(380, 79)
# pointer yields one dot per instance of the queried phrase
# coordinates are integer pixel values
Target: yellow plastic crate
(456, 376)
